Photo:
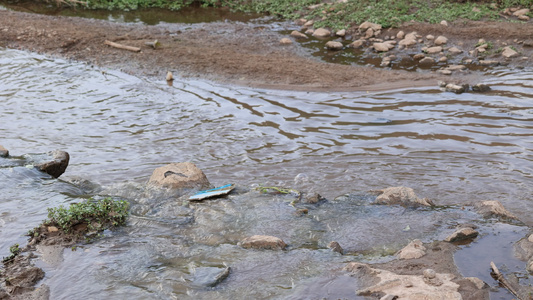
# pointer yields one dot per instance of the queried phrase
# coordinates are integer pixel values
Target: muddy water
(451, 148)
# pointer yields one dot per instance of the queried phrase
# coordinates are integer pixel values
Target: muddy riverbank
(238, 53)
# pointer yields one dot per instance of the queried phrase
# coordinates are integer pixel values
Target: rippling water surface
(117, 128)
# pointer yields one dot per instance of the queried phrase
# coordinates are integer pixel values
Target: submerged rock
(401, 195)
(210, 276)
(55, 163)
(179, 175)
(263, 242)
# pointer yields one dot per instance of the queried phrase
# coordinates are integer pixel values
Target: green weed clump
(14, 250)
(97, 215)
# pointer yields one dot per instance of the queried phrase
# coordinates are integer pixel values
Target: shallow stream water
(117, 128)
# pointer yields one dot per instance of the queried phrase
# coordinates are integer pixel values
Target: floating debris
(219, 191)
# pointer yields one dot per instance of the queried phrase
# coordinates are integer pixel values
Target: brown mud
(234, 53)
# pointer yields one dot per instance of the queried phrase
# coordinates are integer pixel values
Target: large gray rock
(178, 176)
(54, 163)
(401, 195)
(263, 242)
(3, 151)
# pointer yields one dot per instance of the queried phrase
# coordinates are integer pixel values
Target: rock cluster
(427, 52)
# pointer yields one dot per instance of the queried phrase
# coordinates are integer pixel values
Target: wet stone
(179, 175)
(401, 195)
(3, 151)
(285, 41)
(481, 88)
(462, 234)
(322, 32)
(53, 163)
(298, 35)
(335, 247)
(332, 45)
(263, 242)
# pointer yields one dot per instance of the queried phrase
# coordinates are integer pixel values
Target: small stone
(441, 40)
(455, 88)
(444, 23)
(298, 35)
(443, 59)
(521, 12)
(508, 52)
(357, 44)
(313, 198)
(335, 247)
(341, 32)
(455, 51)
(3, 151)
(401, 195)
(169, 76)
(414, 249)
(429, 273)
(322, 32)
(430, 37)
(456, 67)
(462, 234)
(381, 47)
(310, 31)
(434, 50)
(179, 175)
(407, 42)
(52, 229)
(426, 61)
(302, 211)
(523, 18)
(263, 242)
(366, 25)
(530, 238)
(481, 41)
(489, 63)
(493, 208)
(369, 33)
(480, 284)
(419, 56)
(285, 41)
(481, 88)
(445, 72)
(309, 23)
(332, 45)
(400, 35)
(56, 164)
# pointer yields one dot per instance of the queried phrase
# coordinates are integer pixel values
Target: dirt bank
(225, 52)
